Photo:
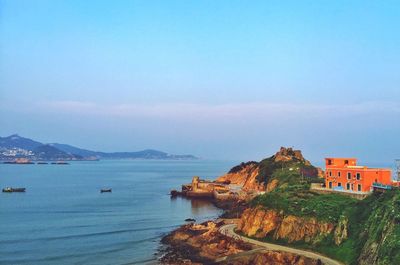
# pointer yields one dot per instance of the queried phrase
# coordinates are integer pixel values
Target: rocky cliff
(260, 223)
(245, 175)
(352, 231)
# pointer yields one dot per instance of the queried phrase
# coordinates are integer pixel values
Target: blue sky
(218, 79)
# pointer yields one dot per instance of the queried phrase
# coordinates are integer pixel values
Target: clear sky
(217, 79)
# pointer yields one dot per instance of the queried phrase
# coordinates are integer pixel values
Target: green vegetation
(290, 172)
(344, 253)
(382, 227)
(299, 201)
(241, 166)
(373, 223)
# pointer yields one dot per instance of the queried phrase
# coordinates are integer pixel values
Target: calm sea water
(64, 219)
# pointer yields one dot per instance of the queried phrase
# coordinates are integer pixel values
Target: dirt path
(229, 230)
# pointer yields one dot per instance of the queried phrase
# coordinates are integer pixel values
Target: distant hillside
(15, 146)
(74, 150)
(48, 152)
(145, 154)
(16, 141)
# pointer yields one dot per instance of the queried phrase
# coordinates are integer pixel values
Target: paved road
(229, 230)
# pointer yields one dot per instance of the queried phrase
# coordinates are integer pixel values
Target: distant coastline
(16, 147)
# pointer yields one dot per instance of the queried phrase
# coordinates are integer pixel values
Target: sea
(62, 218)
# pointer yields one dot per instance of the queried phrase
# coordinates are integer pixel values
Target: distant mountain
(74, 150)
(145, 154)
(16, 141)
(48, 152)
(15, 146)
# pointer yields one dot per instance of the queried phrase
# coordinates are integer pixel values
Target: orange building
(344, 174)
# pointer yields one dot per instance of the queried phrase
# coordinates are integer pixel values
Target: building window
(329, 162)
(358, 176)
(330, 185)
(359, 187)
(348, 175)
(346, 162)
(339, 184)
(348, 186)
(330, 173)
(338, 174)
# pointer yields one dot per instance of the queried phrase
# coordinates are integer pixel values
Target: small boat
(105, 190)
(60, 163)
(9, 189)
(190, 220)
(42, 163)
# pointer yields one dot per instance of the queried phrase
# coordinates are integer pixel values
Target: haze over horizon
(216, 79)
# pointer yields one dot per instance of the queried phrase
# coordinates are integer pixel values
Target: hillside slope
(286, 166)
(355, 232)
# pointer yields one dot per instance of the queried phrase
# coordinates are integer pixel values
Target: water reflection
(199, 207)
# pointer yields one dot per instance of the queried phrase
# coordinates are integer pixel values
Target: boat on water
(19, 161)
(9, 189)
(42, 163)
(105, 190)
(60, 163)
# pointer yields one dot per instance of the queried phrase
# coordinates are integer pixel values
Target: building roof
(342, 158)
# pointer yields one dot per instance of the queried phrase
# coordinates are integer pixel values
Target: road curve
(229, 230)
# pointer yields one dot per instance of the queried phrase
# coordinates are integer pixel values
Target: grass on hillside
(372, 223)
(374, 219)
(296, 199)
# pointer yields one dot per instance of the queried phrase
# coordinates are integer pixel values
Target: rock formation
(259, 222)
(197, 244)
(288, 154)
(245, 175)
(273, 257)
(341, 230)
(201, 243)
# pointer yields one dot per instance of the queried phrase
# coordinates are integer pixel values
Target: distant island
(14, 147)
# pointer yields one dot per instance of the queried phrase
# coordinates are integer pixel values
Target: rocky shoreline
(204, 243)
(285, 221)
(199, 244)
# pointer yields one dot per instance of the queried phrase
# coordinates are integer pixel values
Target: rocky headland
(275, 204)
